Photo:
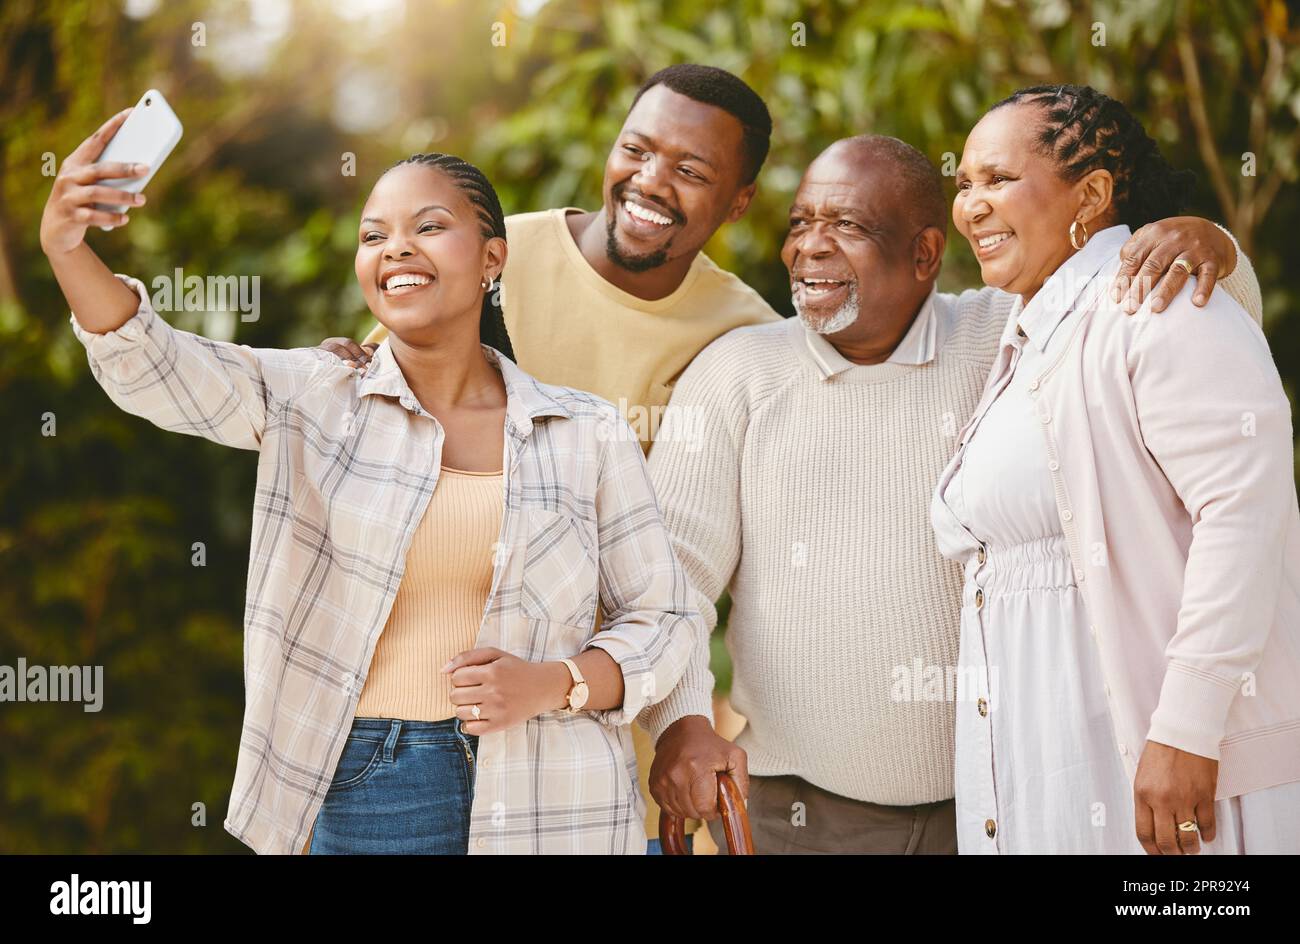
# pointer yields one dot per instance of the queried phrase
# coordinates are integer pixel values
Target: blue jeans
(400, 788)
(655, 846)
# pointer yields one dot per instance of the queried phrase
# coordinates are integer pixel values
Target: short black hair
(721, 89)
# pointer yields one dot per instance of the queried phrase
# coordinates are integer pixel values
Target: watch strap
(577, 680)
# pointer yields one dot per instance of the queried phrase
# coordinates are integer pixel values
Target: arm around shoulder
(1242, 283)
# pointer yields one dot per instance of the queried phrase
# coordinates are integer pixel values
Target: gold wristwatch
(578, 693)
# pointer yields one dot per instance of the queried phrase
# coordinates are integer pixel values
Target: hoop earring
(1074, 239)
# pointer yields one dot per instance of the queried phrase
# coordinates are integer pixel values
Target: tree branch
(1201, 124)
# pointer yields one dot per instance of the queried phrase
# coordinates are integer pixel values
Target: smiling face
(1013, 206)
(672, 178)
(852, 246)
(421, 254)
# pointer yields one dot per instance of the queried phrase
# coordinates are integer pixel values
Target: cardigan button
(983, 554)
(1067, 515)
(990, 828)
(1033, 385)
(979, 599)
(1053, 466)
(983, 708)
(481, 842)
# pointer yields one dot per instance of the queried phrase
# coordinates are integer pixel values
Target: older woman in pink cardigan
(1124, 505)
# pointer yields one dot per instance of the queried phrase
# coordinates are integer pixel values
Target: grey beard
(844, 316)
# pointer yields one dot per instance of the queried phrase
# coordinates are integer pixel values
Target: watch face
(578, 697)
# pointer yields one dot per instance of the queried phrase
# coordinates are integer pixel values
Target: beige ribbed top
(439, 603)
(440, 600)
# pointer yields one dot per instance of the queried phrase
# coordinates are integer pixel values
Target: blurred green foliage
(98, 522)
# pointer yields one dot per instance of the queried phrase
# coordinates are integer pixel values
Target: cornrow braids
(1084, 130)
(492, 223)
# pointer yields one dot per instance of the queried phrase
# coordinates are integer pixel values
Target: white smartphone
(146, 137)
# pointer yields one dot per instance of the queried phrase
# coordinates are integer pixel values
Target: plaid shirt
(348, 462)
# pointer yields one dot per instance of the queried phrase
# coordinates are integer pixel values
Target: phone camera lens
(148, 101)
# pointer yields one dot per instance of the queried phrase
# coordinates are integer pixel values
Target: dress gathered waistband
(1040, 564)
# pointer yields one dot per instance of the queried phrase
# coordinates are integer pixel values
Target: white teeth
(406, 278)
(641, 213)
(820, 286)
(993, 240)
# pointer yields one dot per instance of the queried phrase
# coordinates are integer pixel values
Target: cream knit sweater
(809, 499)
(826, 486)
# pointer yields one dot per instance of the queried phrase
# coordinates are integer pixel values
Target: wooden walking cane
(735, 822)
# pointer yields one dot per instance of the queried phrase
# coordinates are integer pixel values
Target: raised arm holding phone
(104, 303)
(426, 564)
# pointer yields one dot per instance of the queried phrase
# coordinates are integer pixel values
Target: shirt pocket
(560, 577)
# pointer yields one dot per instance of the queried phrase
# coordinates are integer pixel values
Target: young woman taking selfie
(430, 540)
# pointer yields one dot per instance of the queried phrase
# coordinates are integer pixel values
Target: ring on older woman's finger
(1185, 266)
(475, 711)
(1189, 826)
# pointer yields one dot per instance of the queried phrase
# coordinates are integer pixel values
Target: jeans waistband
(408, 732)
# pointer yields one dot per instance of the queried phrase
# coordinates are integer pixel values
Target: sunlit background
(97, 522)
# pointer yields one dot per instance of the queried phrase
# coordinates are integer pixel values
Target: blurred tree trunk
(1244, 206)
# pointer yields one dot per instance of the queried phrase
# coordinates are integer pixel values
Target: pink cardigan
(1170, 445)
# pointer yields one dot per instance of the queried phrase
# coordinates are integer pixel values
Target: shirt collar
(1056, 299)
(526, 397)
(919, 346)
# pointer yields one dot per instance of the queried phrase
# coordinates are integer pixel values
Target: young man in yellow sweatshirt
(619, 300)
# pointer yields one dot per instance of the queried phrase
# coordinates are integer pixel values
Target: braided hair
(1084, 130)
(475, 186)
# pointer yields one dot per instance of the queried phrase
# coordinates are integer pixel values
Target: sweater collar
(919, 346)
